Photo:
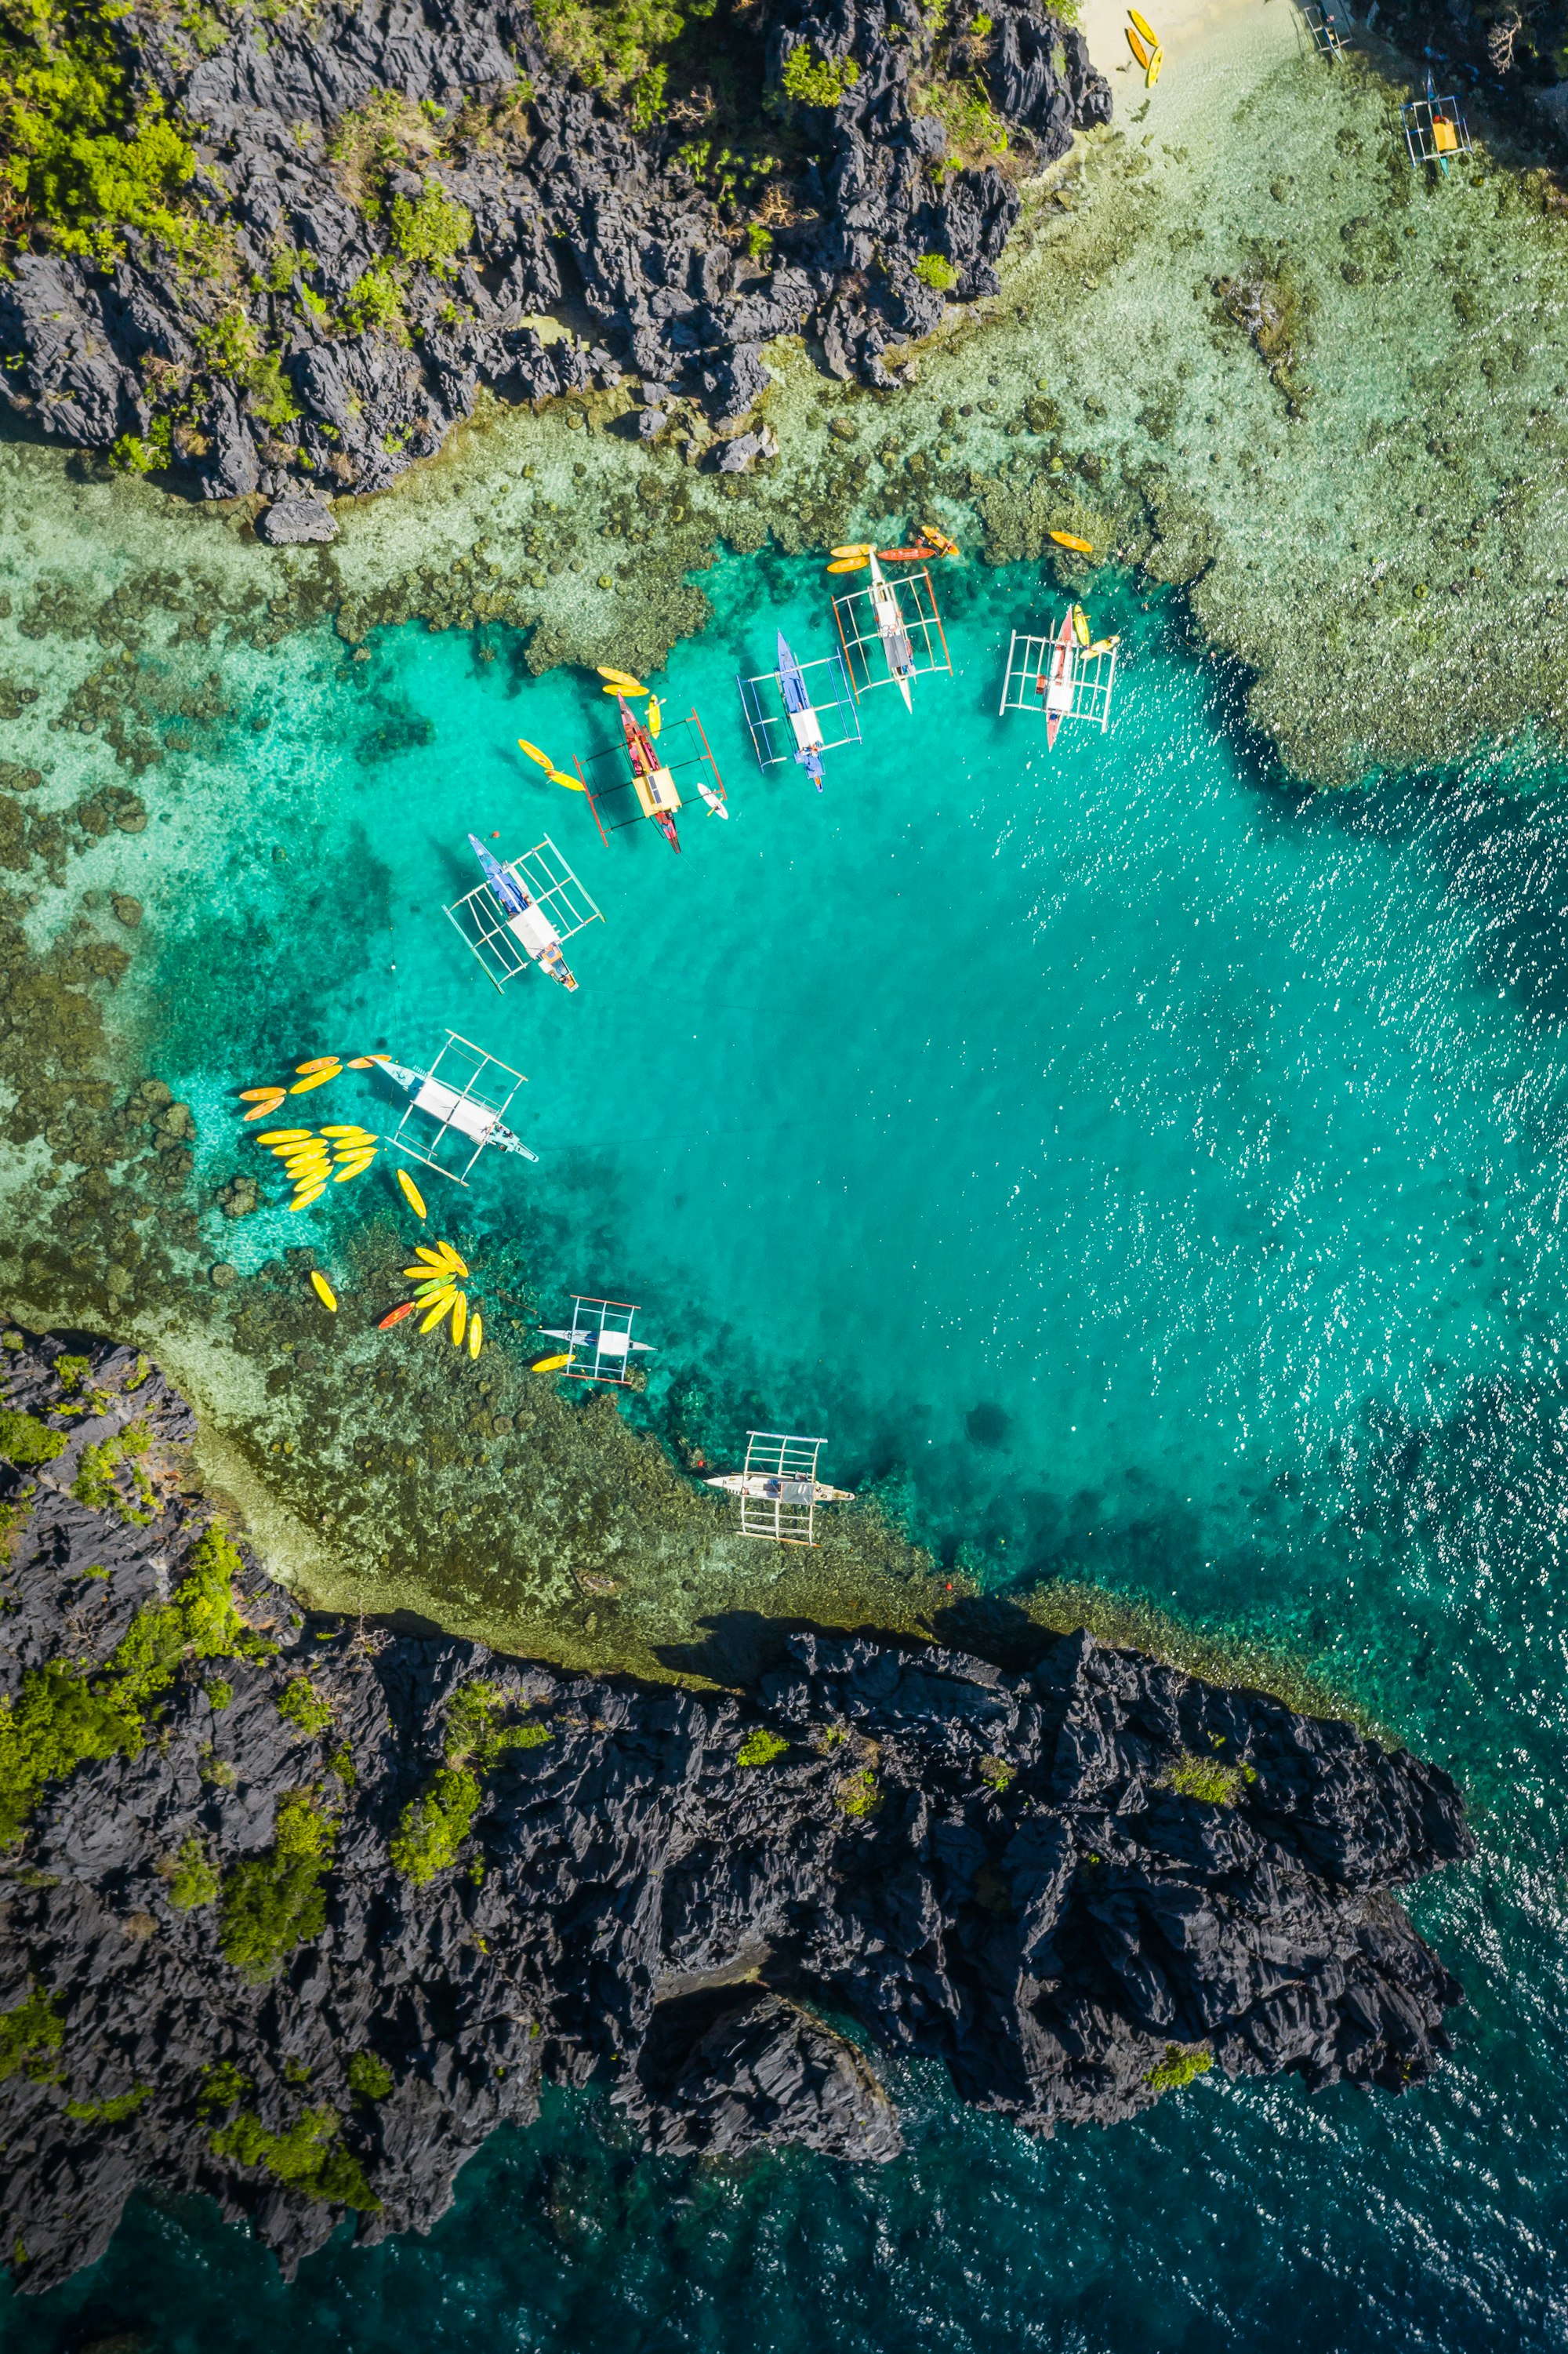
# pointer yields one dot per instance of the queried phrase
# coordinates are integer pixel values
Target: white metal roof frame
(465, 1104)
(485, 926)
(773, 736)
(1028, 662)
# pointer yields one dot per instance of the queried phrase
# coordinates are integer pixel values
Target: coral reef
(312, 235)
(234, 1963)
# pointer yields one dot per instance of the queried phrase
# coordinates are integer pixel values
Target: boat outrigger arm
(454, 1109)
(890, 629)
(524, 918)
(805, 725)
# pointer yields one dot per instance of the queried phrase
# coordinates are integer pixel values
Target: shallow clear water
(1159, 1171)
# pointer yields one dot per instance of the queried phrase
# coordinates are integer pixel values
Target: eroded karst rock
(297, 1912)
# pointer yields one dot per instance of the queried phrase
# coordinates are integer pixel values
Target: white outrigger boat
(890, 629)
(454, 1108)
(778, 1490)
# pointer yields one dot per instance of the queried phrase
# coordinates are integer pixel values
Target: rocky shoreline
(298, 1910)
(378, 209)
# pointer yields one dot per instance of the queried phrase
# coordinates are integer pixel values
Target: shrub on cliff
(82, 161)
(274, 1903)
(817, 81)
(305, 2158)
(434, 1825)
(27, 1442)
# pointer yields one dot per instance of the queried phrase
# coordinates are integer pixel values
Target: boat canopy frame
(1028, 661)
(923, 628)
(1420, 118)
(603, 1327)
(682, 743)
(467, 1102)
(789, 1517)
(772, 735)
(485, 926)
(1323, 28)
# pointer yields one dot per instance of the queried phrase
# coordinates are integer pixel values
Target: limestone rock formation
(394, 197)
(296, 1913)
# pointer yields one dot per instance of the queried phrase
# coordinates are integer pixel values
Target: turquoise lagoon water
(1154, 1173)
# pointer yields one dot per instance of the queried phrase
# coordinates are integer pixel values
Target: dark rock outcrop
(321, 342)
(521, 1875)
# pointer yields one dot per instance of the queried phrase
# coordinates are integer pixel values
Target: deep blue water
(1164, 1171)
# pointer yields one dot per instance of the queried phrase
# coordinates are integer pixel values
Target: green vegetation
(29, 2035)
(996, 1772)
(1179, 2067)
(860, 1795)
(761, 1748)
(219, 1693)
(976, 133)
(1208, 1779)
(271, 394)
(935, 270)
(305, 2158)
(113, 2112)
(369, 2077)
(609, 44)
(809, 82)
(274, 1903)
(66, 1714)
(302, 1706)
(432, 229)
(27, 1442)
(95, 1484)
(193, 1882)
(222, 2084)
(83, 160)
(375, 301)
(71, 1372)
(435, 1823)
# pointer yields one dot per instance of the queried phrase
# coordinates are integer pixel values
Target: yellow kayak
(1066, 539)
(848, 564)
(1138, 49)
(436, 1313)
(431, 1257)
(475, 1333)
(534, 752)
(411, 1194)
(1081, 625)
(324, 1291)
(1155, 62)
(270, 1105)
(352, 1168)
(551, 1364)
(460, 1318)
(311, 1194)
(316, 1080)
(621, 678)
(623, 690)
(1145, 28)
(348, 1131)
(321, 1063)
(283, 1136)
(451, 1258)
(861, 547)
(261, 1095)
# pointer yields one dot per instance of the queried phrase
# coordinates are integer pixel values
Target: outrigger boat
(656, 790)
(890, 629)
(1056, 686)
(454, 1108)
(770, 1487)
(525, 919)
(803, 720)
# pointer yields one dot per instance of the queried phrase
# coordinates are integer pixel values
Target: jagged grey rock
(565, 183)
(667, 1890)
(297, 519)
